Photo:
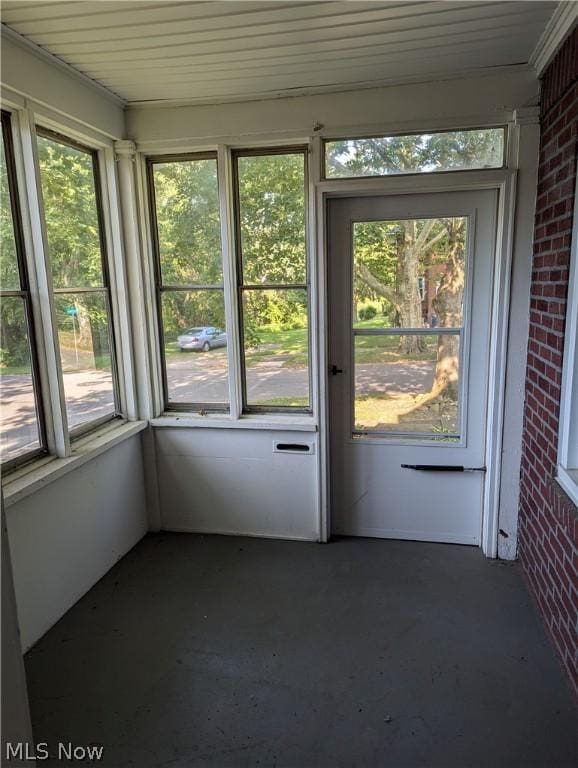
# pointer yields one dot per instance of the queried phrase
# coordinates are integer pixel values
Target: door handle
(442, 468)
(334, 370)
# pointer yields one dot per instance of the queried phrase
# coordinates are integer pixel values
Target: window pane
(9, 276)
(85, 354)
(272, 218)
(72, 227)
(18, 418)
(188, 222)
(276, 348)
(409, 274)
(195, 347)
(425, 153)
(407, 384)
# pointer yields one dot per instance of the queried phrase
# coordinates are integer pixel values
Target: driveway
(203, 378)
(192, 377)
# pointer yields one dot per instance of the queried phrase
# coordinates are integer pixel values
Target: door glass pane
(9, 276)
(18, 418)
(422, 153)
(195, 347)
(276, 348)
(409, 273)
(72, 226)
(85, 354)
(188, 222)
(408, 384)
(272, 218)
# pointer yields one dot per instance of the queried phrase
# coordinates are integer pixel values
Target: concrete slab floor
(223, 651)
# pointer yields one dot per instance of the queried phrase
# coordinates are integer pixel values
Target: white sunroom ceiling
(221, 51)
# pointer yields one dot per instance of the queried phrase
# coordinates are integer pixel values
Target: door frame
(502, 180)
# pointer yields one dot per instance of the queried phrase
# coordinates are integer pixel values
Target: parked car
(202, 339)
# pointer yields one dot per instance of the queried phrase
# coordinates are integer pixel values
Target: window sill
(567, 479)
(27, 480)
(252, 421)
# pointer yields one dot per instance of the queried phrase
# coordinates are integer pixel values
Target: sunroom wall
(68, 520)
(506, 97)
(204, 469)
(454, 103)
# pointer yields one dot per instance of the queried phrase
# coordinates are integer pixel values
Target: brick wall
(548, 526)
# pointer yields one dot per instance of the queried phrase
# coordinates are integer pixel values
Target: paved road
(204, 378)
(192, 377)
(88, 397)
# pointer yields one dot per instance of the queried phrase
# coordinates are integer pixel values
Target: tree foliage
(271, 202)
(421, 153)
(189, 238)
(390, 256)
(13, 334)
(273, 236)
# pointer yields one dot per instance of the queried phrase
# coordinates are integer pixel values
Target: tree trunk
(448, 308)
(410, 301)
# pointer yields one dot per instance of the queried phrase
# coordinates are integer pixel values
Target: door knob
(334, 370)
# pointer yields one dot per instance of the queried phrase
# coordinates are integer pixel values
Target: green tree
(272, 216)
(74, 244)
(13, 338)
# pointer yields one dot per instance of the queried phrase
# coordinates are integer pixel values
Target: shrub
(368, 312)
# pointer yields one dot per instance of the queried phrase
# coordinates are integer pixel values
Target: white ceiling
(229, 50)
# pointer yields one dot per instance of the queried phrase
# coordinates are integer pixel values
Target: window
(21, 423)
(417, 153)
(398, 327)
(568, 437)
(272, 278)
(78, 267)
(185, 212)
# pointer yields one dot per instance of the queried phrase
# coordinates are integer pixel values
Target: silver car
(202, 339)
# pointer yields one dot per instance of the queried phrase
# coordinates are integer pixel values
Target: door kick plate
(442, 468)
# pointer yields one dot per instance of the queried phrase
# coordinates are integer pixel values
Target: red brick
(548, 523)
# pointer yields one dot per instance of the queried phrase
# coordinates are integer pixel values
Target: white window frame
(101, 200)
(242, 287)
(237, 415)
(66, 448)
(567, 471)
(169, 406)
(25, 291)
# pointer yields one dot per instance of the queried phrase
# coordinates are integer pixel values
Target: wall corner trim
(125, 148)
(527, 116)
(564, 18)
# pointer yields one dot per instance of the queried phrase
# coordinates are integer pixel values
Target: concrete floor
(223, 651)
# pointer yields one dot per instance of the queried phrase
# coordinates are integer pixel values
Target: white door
(410, 296)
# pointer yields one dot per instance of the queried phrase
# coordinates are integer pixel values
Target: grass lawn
(296, 402)
(90, 363)
(15, 370)
(290, 348)
(402, 412)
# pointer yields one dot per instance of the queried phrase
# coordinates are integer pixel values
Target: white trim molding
(563, 20)
(49, 58)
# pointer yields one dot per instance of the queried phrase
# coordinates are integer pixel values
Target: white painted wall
(41, 78)
(64, 538)
(231, 481)
(467, 101)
